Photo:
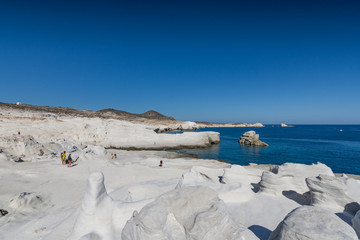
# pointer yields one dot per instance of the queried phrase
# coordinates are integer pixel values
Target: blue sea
(337, 146)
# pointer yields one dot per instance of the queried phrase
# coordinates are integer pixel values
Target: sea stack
(252, 139)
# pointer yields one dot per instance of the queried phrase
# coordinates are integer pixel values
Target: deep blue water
(306, 144)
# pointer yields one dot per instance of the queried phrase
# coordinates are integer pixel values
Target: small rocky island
(252, 139)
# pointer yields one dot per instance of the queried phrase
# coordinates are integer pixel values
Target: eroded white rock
(28, 201)
(291, 176)
(312, 223)
(27, 148)
(335, 192)
(95, 218)
(252, 139)
(185, 213)
(233, 184)
(95, 150)
(200, 176)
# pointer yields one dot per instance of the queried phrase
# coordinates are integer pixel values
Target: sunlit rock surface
(185, 213)
(291, 176)
(95, 220)
(315, 223)
(335, 192)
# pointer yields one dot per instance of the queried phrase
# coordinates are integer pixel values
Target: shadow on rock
(302, 199)
(261, 232)
(255, 187)
(345, 217)
(352, 208)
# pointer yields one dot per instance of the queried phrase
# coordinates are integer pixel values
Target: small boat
(341, 130)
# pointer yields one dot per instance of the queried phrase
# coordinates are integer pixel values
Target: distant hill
(148, 115)
(104, 113)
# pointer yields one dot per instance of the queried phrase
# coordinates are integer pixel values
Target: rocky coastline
(189, 198)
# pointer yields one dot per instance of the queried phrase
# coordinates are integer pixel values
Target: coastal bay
(305, 144)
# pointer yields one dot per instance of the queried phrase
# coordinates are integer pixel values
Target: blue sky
(221, 61)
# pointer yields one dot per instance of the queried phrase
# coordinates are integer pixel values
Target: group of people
(66, 161)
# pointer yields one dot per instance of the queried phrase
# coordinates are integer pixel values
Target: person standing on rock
(69, 160)
(63, 157)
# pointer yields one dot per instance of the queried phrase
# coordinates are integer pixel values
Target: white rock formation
(108, 133)
(27, 148)
(291, 176)
(356, 223)
(232, 184)
(95, 220)
(28, 202)
(26, 205)
(187, 125)
(200, 176)
(95, 150)
(251, 138)
(312, 223)
(283, 125)
(185, 213)
(335, 192)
